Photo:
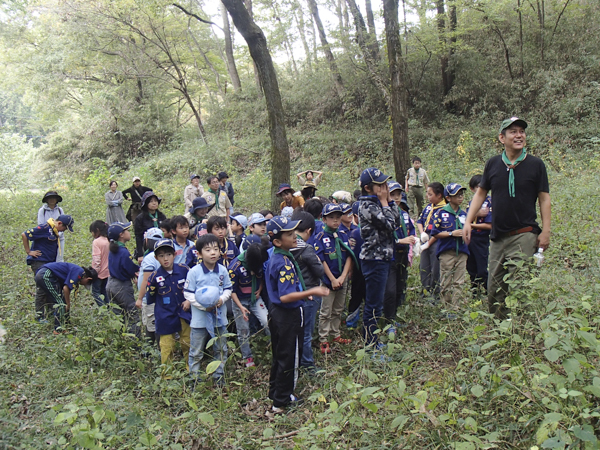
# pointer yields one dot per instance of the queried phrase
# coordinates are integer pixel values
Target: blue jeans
(258, 310)
(198, 339)
(99, 291)
(311, 309)
(376, 275)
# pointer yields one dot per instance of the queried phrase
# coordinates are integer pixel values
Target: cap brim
(70, 228)
(385, 179)
(291, 225)
(46, 197)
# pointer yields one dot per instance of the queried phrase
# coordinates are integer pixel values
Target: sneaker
(250, 362)
(391, 332)
(341, 340)
(277, 410)
(325, 348)
(352, 320)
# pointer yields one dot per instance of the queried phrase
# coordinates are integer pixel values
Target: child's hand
(140, 259)
(245, 313)
(186, 305)
(138, 303)
(335, 284)
(258, 291)
(483, 212)
(409, 240)
(321, 291)
(35, 253)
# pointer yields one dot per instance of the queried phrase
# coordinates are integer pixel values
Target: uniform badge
(326, 240)
(159, 279)
(445, 215)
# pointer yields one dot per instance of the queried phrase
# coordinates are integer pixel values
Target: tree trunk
(233, 73)
(450, 72)
(371, 60)
(299, 17)
(335, 73)
(248, 4)
(399, 98)
(286, 41)
(257, 44)
(373, 44)
(521, 69)
(441, 26)
(405, 28)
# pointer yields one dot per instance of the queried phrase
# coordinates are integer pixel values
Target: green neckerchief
(280, 251)
(154, 217)
(403, 228)
(457, 222)
(216, 193)
(417, 176)
(242, 259)
(198, 218)
(510, 166)
(339, 243)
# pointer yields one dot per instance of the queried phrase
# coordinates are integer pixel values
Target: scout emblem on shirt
(161, 281)
(243, 271)
(445, 215)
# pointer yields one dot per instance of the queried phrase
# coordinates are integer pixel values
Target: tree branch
(558, 20)
(195, 16)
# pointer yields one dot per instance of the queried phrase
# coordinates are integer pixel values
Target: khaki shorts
(148, 317)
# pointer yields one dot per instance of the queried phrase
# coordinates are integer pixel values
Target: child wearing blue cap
(379, 217)
(404, 236)
(172, 311)
(197, 217)
(122, 271)
(337, 258)
(452, 251)
(45, 247)
(347, 224)
(285, 286)
(207, 288)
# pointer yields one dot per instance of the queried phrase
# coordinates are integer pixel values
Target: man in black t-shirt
(517, 180)
(136, 191)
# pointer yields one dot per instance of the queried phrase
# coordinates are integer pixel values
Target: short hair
(357, 194)
(266, 212)
(216, 221)
(314, 207)
(111, 182)
(436, 187)
(256, 256)
(209, 179)
(177, 220)
(166, 224)
(90, 272)
(475, 181)
(149, 244)
(100, 227)
(205, 240)
(416, 158)
(365, 191)
(307, 220)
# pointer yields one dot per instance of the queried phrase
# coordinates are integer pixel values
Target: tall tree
(399, 97)
(248, 4)
(373, 43)
(335, 73)
(257, 44)
(231, 68)
(299, 18)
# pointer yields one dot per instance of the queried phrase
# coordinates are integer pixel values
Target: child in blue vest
(45, 246)
(57, 280)
(123, 271)
(395, 289)
(479, 247)
(452, 251)
(207, 288)
(172, 311)
(285, 285)
(336, 256)
(246, 274)
(347, 224)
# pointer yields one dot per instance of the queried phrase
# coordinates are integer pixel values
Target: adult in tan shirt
(416, 184)
(218, 198)
(192, 191)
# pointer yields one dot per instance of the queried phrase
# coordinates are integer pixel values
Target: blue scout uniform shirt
(149, 264)
(68, 274)
(193, 257)
(445, 221)
(426, 219)
(45, 240)
(344, 229)
(318, 228)
(325, 250)
(120, 265)
(281, 279)
(166, 291)
(355, 242)
(201, 276)
(487, 203)
(181, 252)
(241, 280)
(410, 230)
(229, 251)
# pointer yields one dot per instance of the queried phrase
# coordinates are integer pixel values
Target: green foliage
(16, 161)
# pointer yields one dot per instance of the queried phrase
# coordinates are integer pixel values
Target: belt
(519, 231)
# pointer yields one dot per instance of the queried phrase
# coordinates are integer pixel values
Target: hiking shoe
(352, 320)
(250, 362)
(391, 332)
(341, 340)
(325, 348)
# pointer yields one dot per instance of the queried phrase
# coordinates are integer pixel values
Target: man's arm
(476, 203)
(543, 240)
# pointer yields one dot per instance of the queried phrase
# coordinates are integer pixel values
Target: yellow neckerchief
(433, 208)
(52, 224)
(224, 254)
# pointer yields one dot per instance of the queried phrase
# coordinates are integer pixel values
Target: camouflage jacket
(377, 225)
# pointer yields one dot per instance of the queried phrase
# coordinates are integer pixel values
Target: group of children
(197, 276)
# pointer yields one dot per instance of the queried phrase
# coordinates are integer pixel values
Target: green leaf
(212, 367)
(477, 390)
(442, 336)
(360, 354)
(573, 393)
(488, 345)
(399, 422)
(572, 367)
(590, 338)
(98, 415)
(401, 387)
(586, 433)
(268, 433)
(551, 340)
(474, 315)
(371, 407)
(148, 439)
(552, 355)
(206, 418)
(192, 404)
(553, 443)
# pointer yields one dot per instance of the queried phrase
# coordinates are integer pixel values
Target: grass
(468, 383)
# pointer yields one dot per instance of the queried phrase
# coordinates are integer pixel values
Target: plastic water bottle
(539, 257)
